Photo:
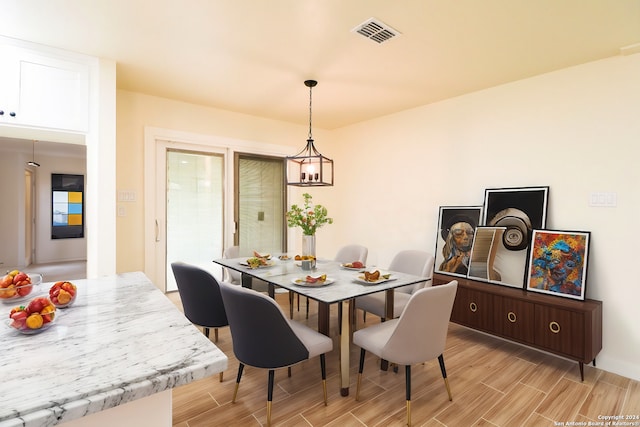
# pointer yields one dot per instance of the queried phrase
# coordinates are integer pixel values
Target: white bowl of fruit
(17, 284)
(38, 315)
(63, 294)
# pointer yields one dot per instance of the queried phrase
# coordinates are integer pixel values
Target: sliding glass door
(194, 209)
(260, 204)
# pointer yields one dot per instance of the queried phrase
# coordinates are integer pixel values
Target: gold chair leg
(235, 393)
(268, 413)
(324, 391)
(358, 387)
(409, 413)
(446, 383)
(221, 376)
(215, 334)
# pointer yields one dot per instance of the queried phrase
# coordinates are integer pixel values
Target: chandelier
(33, 162)
(309, 168)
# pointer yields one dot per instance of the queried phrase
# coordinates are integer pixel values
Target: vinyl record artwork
(456, 228)
(519, 210)
(558, 263)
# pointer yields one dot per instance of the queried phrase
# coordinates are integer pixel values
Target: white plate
(360, 279)
(269, 264)
(345, 266)
(301, 281)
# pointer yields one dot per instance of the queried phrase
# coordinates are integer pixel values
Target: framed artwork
(487, 262)
(558, 263)
(456, 228)
(520, 210)
(67, 206)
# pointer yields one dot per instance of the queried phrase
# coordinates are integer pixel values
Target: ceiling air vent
(376, 31)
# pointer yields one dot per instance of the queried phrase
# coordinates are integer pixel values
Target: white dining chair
(346, 254)
(417, 336)
(235, 277)
(415, 262)
(232, 276)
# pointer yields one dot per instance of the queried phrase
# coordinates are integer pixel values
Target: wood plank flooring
(493, 382)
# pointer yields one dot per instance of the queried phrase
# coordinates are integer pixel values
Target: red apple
(20, 277)
(24, 290)
(37, 304)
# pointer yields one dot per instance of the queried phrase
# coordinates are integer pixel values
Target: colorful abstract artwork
(558, 263)
(67, 206)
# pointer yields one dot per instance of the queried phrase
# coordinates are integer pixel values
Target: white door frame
(155, 139)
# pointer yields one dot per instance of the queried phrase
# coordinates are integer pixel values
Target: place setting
(313, 281)
(374, 277)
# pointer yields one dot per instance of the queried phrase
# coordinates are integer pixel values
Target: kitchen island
(111, 358)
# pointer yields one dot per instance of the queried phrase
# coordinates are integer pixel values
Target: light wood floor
(494, 383)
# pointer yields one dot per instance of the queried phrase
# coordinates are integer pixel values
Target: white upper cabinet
(9, 85)
(42, 90)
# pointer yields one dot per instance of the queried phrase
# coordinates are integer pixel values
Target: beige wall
(574, 130)
(136, 111)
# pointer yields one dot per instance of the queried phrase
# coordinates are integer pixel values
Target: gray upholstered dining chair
(345, 254)
(418, 263)
(417, 336)
(232, 276)
(235, 277)
(200, 296)
(350, 253)
(263, 337)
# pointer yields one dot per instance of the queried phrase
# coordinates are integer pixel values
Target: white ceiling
(252, 56)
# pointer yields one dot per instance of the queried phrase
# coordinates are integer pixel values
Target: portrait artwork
(558, 263)
(519, 211)
(456, 229)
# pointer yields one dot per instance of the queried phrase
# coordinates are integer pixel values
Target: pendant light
(309, 168)
(33, 157)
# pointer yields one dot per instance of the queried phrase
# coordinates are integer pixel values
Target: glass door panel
(260, 205)
(194, 209)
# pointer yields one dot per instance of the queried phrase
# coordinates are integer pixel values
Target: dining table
(341, 286)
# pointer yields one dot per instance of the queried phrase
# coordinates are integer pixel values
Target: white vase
(309, 245)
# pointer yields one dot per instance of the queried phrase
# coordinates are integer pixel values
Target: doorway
(220, 160)
(29, 217)
(195, 207)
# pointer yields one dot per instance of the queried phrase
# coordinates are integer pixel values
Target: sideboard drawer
(561, 331)
(515, 319)
(473, 309)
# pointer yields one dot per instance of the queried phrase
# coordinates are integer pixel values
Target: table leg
(246, 281)
(388, 310)
(323, 318)
(345, 343)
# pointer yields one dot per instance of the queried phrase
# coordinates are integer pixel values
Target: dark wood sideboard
(563, 326)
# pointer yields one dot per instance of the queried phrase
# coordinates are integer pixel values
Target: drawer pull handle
(473, 307)
(554, 327)
(512, 317)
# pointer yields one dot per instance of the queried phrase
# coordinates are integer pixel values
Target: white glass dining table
(341, 286)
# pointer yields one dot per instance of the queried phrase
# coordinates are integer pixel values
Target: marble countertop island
(122, 340)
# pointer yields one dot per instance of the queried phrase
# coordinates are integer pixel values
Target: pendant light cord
(310, 90)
